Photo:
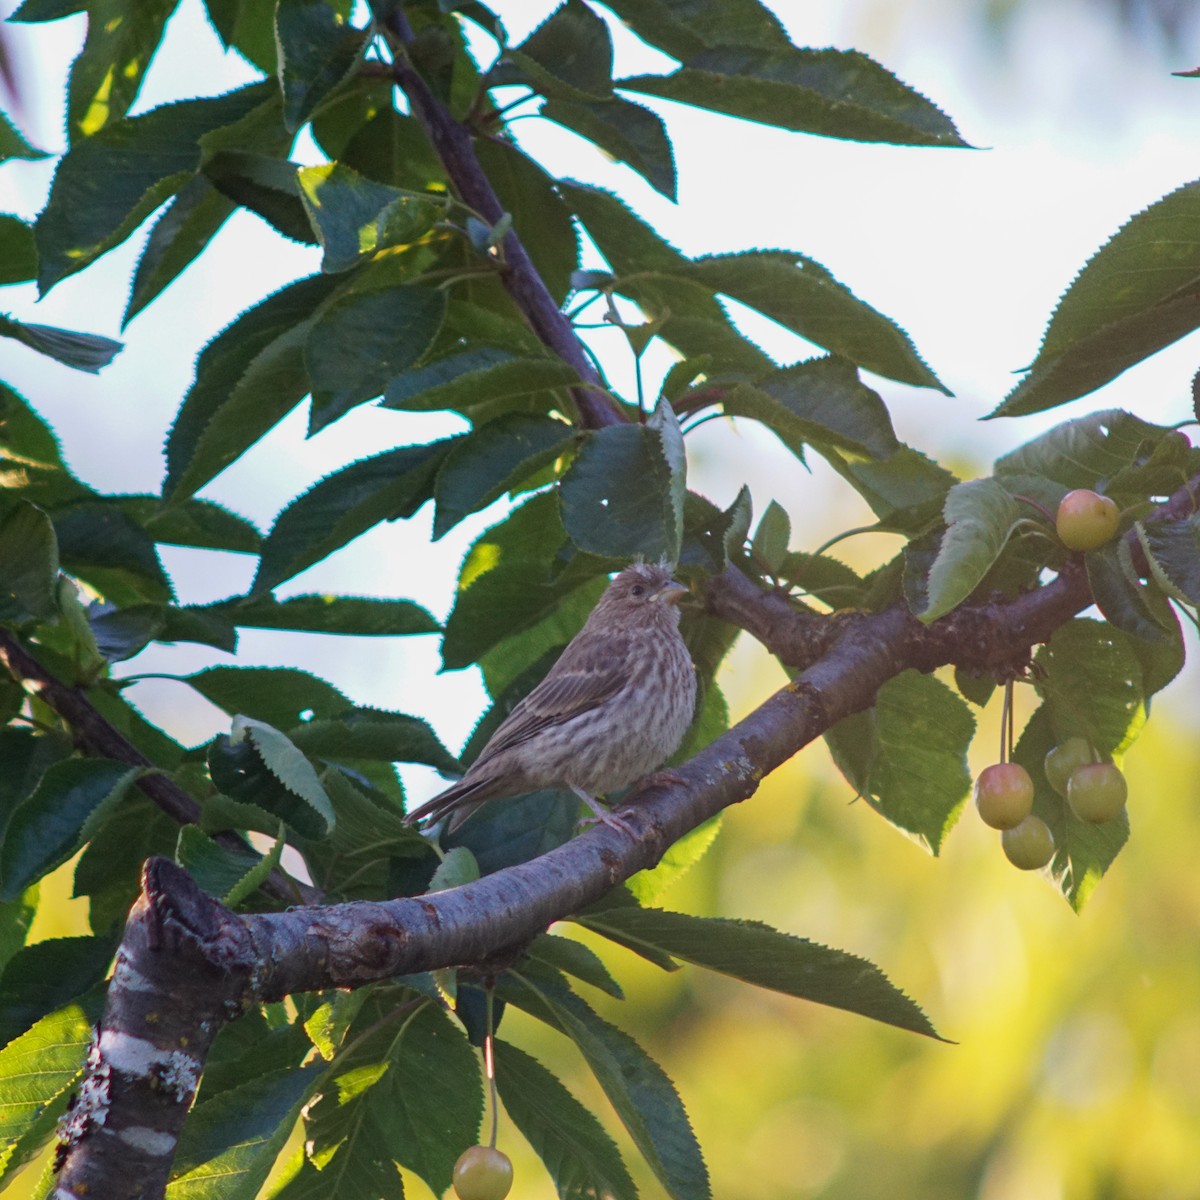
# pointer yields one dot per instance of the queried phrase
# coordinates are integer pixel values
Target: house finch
(613, 707)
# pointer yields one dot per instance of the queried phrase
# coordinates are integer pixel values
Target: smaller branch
(96, 736)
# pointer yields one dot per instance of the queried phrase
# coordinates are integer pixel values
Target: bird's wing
(587, 674)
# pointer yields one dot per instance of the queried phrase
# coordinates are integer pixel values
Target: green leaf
(424, 1128)
(473, 377)
(83, 351)
(247, 28)
(541, 220)
(1082, 851)
(35, 1070)
(636, 1086)
(765, 957)
(203, 524)
(1172, 547)
(574, 958)
(582, 1159)
(230, 1143)
(822, 577)
(108, 74)
(368, 733)
(18, 253)
(49, 826)
(508, 581)
(905, 491)
(650, 885)
(1136, 295)
(361, 616)
(569, 53)
(770, 540)
(361, 339)
(1091, 681)
(280, 696)
(907, 756)
(491, 461)
(822, 402)
(1122, 597)
(456, 868)
(356, 217)
(12, 143)
(101, 543)
(832, 93)
(248, 378)
(619, 497)
(107, 184)
(980, 516)
(289, 765)
(42, 978)
(514, 831)
(685, 29)
(804, 297)
(628, 132)
(318, 50)
(386, 487)
(266, 185)
(1083, 453)
(29, 552)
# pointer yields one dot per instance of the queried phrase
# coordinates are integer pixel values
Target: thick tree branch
(453, 145)
(98, 737)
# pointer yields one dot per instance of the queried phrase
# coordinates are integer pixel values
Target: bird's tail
(457, 802)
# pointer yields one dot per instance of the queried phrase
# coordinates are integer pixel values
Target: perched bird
(613, 707)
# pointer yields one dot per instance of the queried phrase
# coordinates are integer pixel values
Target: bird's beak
(671, 593)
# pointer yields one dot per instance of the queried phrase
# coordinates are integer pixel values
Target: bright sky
(967, 250)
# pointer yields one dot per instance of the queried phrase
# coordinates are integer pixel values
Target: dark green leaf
(1120, 596)
(629, 132)
(905, 491)
(105, 546)
(30, 555)
(107, 184)
(582, 1159)
(281, 696)
(230, 1143)
(804, 297)
(369, 733)
(821, 401)
(617, 496)
(1136, 295)
(684, 28)
(361, 339)
(203, 524)
(248, 28)
(640, 1092)
(765, 957)
(540, 218)
(214, 868)
(770, 540)
(248, 378)
(13, 144)
(83, 351)
(18, 253)
(318, 50)
(107, 75)
(1082, 851)
(474, 377)
(513, 831)
(569, 53)
(907, 756)
(1091, 681)
(41, 978)
(356, 217)
(49, 826)
(362, 616)
(833, 93)
(1172, 547)
(387, 487)
(574, 958)
(826, 579)
(265, 185)
(491, 461)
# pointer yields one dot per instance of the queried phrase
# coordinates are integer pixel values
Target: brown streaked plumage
(613, 707)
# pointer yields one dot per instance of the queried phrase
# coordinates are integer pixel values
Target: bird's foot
(602, 816)
(668, 775)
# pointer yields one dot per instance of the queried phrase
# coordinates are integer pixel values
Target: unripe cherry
(1097, 792)
(1062, 761)
(1086, 520)
(1029, 845)
(1004, 795)
(482, 1173)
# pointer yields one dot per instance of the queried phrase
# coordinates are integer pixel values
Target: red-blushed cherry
(1004, 795)
(1086, 520)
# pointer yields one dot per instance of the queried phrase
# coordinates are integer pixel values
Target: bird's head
(643, 592)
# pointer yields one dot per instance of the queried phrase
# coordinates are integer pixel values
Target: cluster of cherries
(1095, 790)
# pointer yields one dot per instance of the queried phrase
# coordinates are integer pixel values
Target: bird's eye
(637, 590)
